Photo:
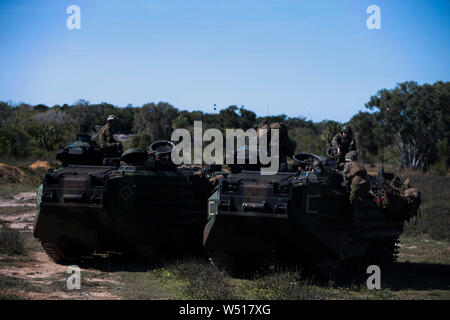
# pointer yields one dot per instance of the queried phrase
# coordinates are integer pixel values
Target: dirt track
(34, 275)
(40, 278)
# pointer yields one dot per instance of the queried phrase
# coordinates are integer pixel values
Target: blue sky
(302, 58)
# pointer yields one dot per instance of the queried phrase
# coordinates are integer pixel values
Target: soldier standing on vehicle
(342, 143)
(355, 180)
(106, 136)
(285, 143)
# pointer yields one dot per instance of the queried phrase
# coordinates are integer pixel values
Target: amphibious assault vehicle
(303, 216)
(300, 215)
(143, 201)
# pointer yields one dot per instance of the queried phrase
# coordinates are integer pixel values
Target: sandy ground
(24, 199)
(36, 275)
(20, 220)
(46, 280)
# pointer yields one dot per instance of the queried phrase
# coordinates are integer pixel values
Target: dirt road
(33, 275)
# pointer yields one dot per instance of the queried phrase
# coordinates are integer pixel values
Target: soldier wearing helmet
(355, 180)
(106, 137)
(342, 143)
(317, 166)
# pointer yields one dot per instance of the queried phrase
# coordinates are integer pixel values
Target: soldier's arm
(101, 137)
(345, 173)
(336, 144)
(339, 172)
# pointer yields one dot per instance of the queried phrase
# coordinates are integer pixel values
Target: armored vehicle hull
(87, 208)
(297, 217)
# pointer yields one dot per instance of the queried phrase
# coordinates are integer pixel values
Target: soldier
(286, 144)
(342, 143)
(317, 166)
(106, 138)
(355, 179)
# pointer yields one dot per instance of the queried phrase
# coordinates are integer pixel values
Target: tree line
(407, 126)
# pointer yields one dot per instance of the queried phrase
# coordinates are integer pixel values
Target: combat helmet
(347, 129)
(351, 156)
(317, 165)
(111, 117)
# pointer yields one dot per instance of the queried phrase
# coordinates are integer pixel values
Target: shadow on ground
(117, 263)
(401, 276)
(418, 276)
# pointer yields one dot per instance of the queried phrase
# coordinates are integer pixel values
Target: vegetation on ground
(11, 240)
(420, 273)
(434, 217)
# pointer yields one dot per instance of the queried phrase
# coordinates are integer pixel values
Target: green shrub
(13, 142)
(285, 285)
(11, 241)
(204, 281)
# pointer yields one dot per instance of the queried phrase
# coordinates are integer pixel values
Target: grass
(11, 241)
(10, 189)
(423, 249)
(201, 280)
(10, 285)
(32, 178)
(420, 273)
(434, 217)
(197, 279)
(284, 285)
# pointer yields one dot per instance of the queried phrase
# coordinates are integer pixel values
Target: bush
(13, 142)
(11, 241)
(285, 285)
(204, 281)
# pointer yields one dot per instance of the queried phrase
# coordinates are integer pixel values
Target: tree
(229, 118)
(13, 142)
(247, 118)
(329, 130)
(369, 136)
(416, 117)
(156, 120)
